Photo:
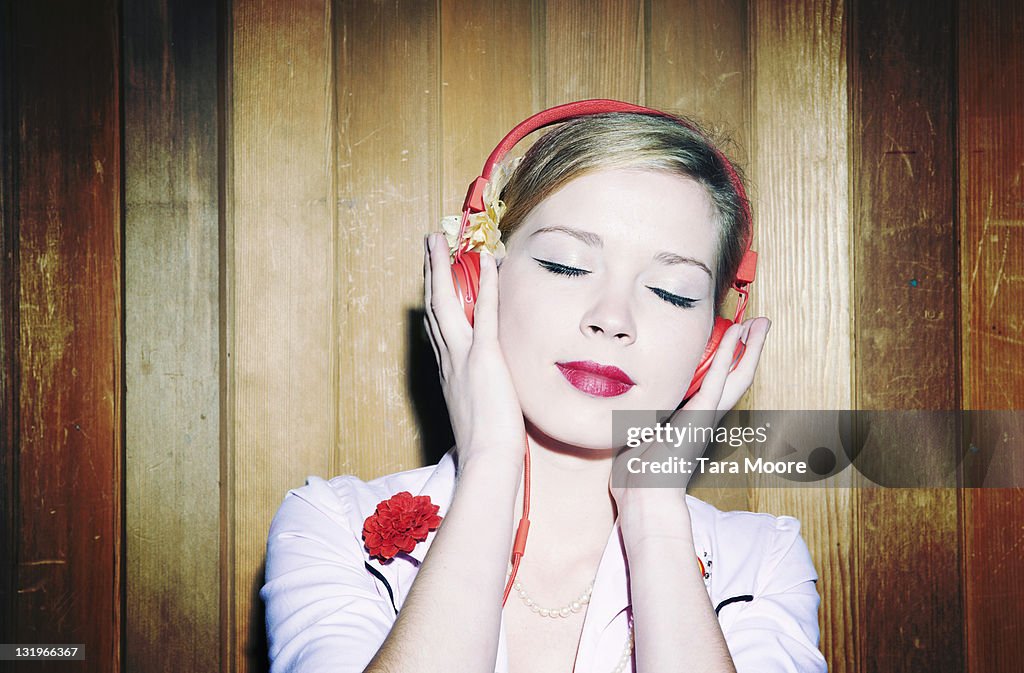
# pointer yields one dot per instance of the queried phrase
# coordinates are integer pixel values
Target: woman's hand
(655, 524)
(482, 404)
(719, 392)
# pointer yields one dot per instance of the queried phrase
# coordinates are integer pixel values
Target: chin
(572, 424)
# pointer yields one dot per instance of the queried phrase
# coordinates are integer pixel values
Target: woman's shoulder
(762, 583)
(752, 551)
(348, 499)
(744, 525)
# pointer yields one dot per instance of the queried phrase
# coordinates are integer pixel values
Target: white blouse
(330, 606)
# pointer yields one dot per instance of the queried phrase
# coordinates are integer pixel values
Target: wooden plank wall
(62, 250)
(282, 161)
(172, 348)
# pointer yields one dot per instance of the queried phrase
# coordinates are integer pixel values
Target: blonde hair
(629, 140)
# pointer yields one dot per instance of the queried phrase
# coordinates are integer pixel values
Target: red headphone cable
(519, 545)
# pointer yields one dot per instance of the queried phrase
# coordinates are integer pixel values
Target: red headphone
(466, 265)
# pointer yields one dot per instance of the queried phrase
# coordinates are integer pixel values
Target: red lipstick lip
(594, 379)
(607, 371)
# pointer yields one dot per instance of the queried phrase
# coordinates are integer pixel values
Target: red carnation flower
(398, 524)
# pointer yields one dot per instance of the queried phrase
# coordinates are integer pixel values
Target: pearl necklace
(573, 608)
(555, 613)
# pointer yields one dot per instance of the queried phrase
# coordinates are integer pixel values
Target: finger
(426, 276)
(711, 388)
(453, 330)
(485, 316)
(433, 344)
(429, 320)
(742, 377)
(754, 337)
(722, 363)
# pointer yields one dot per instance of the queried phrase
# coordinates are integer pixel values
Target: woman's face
(612, 270)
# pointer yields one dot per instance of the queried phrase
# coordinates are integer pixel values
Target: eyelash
(562, 270)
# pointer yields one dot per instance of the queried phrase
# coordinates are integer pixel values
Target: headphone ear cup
(466, 279)
(717, 332)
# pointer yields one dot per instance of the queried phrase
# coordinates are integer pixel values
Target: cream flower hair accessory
(482, 231)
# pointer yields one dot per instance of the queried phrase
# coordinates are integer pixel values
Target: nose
(610, 316)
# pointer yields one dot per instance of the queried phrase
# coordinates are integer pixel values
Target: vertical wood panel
(991, 159)
(389, 184)
(67, 192)
(8, 337)
(992, 203)
(593, 50)
(799, 153)
(906, 321)
(280, 259)
(171, 337)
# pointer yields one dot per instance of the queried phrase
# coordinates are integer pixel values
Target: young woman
(606, 254)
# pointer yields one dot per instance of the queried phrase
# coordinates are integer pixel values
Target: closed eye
(674, 299)
(562, 270)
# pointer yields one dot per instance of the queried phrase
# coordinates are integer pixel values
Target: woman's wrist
(490, 465)
(654, 516)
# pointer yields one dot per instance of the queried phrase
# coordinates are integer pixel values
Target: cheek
(686, 347)
(512, 302)
(525, 303)
(517, 309)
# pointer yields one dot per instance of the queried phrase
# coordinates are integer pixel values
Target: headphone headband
(474, 202)
(555, 115)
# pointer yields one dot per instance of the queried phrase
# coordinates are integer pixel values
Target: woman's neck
(571, 508)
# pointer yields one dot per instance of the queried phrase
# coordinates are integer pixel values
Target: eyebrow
(594, 241)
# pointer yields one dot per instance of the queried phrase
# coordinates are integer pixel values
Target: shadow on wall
(256, 642)
(424, 389)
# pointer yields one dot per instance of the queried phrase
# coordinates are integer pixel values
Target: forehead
(634, 208)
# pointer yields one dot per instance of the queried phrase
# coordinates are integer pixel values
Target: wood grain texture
(388, 197)
(172, 450)
(592, 50)
(487, 86)
(282, 391)
(67, 192)
(696, 65)
(799, 178)
(991, 205)
(9, 405)
(907, 357)
(904, 204)
(992, 202)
